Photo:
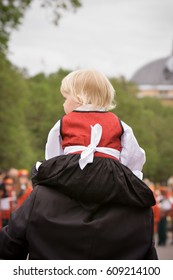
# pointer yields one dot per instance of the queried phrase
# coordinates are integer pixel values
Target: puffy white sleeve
(53, 145)
(132, 155)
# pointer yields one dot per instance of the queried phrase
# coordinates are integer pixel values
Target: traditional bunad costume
(95, 148)
(88, 201)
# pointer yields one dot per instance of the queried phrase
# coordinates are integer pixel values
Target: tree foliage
(152, 124)
(12, 11)
(15, 147)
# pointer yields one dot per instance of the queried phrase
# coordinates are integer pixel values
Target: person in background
(165, 207)
(24, 187)
(8, 200)
(2, 175)
(0, 216)
(170, 185)
(13, 173)
(156, 208)
(157, 214)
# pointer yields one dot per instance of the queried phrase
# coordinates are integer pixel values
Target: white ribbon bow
(88, 154)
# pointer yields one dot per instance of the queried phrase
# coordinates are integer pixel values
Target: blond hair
(88, 86)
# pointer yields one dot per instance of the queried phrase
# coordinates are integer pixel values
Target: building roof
(158, 72)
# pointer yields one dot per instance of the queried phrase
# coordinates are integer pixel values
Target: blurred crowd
(163, 211)
(15, 187)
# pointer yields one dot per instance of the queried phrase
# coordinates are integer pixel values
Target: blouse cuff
(138, 174)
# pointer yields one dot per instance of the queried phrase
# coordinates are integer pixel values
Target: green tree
(152, 124)
(12, 11)
(23, 129)
(45, 107)
(15, 148)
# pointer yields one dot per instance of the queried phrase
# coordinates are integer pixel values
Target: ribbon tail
(96, 133)
(87, 156)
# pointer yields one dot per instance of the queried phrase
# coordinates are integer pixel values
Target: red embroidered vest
(76, 129)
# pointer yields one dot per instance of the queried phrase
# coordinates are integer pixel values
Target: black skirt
(104, 181)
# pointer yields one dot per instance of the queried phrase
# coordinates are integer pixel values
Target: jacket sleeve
(53, 145)
(13, 240)
(132, 155)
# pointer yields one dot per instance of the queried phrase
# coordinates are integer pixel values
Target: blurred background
(131, 41)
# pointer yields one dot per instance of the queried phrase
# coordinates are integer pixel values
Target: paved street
(165, 252)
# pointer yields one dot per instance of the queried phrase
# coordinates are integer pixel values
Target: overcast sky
(114, 36)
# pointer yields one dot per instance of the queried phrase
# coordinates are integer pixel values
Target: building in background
(155, 79)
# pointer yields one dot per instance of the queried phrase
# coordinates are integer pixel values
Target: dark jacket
(92, 223)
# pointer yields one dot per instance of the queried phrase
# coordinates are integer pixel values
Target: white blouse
(131, 155)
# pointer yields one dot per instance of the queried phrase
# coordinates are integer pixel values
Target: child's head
(89, 87)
